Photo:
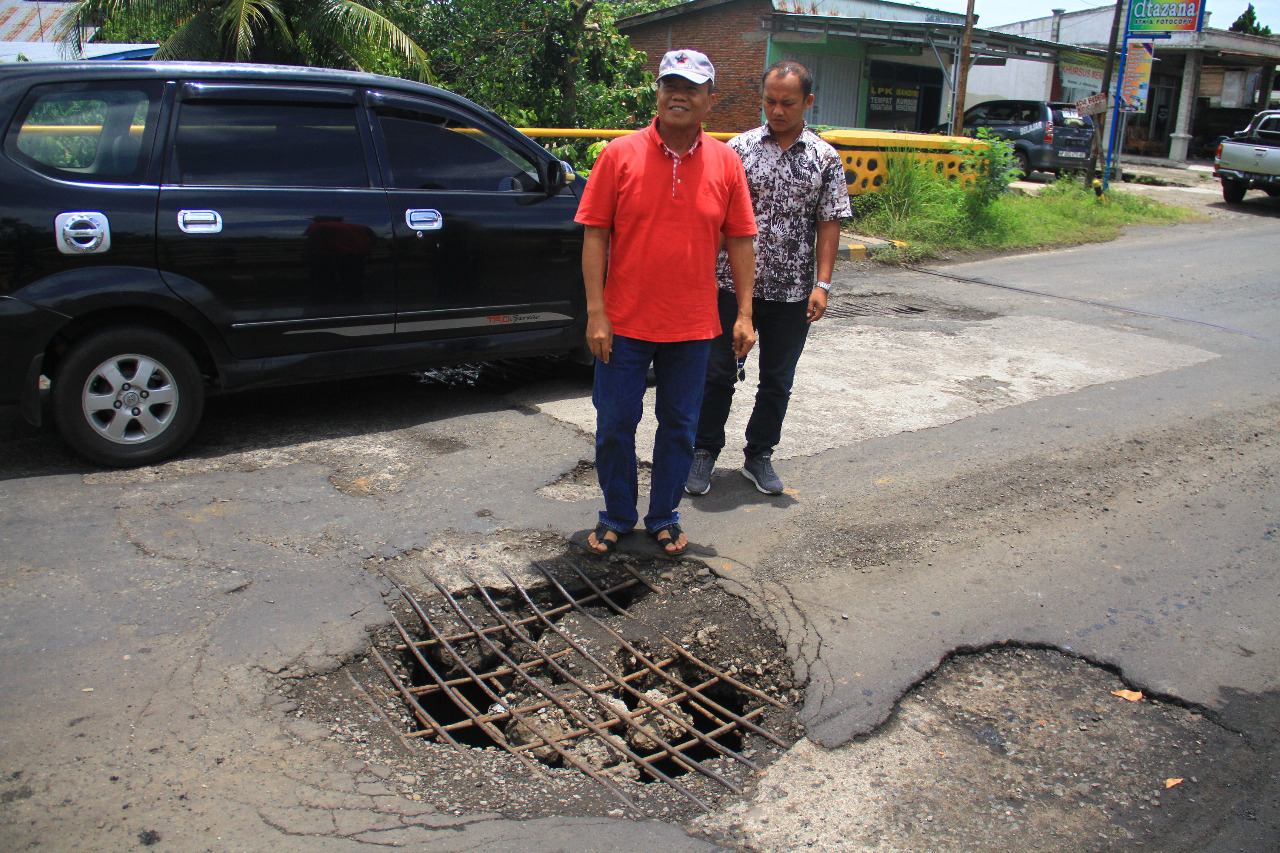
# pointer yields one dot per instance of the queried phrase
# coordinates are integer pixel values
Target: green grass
(936, 218)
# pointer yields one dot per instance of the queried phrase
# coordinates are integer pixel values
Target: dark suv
(1046, 137)
(172, 230)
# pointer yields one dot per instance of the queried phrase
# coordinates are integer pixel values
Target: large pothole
(563, 685)
(1008, 749)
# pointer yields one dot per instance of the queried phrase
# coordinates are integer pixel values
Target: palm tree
(328, 33)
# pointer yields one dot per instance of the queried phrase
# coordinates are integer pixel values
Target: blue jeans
(619, 399)
(781, 331)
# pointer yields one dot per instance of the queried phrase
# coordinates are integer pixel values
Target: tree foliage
(326, 33)
(1248, 23)
(627, 8)
(538, 63)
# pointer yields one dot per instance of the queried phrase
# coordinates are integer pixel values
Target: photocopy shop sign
(1156, 16)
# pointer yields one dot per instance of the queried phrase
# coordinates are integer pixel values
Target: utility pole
(1107, 69)
(962, 73)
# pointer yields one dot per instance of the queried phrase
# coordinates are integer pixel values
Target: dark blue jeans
(619, 399)
(781, 330)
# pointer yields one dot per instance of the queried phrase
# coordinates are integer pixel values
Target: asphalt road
(1073, 451)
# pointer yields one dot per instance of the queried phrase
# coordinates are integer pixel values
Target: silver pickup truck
(1250, 158)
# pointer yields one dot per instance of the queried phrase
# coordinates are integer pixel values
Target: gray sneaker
(699, 481)
(759, 470)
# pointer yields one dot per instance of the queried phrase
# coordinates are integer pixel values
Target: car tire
(1023, 164)
(127, 395)
(1233, 191)
(1271, 191)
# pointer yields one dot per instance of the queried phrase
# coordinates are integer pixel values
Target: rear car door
(1072, 136)
(480, 246)
(79, 204)
(79, 190)
(268, 221)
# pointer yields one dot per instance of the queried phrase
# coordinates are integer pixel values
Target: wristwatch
(825, 285)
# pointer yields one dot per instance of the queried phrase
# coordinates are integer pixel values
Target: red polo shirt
(665, 215)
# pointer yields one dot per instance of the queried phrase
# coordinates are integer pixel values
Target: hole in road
(568, 685)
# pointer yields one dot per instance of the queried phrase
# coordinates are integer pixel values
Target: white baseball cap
(688, 64)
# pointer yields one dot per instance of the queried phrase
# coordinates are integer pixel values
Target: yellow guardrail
(863, 152)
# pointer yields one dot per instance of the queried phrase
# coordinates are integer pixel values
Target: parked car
(1046, 136)
(1250, 159)
(172, 230)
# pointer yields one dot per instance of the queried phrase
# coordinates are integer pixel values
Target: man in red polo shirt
(656, 208)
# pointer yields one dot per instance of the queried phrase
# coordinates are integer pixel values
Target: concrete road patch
(859, 381)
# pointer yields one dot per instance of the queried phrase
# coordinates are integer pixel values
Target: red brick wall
(730, 35)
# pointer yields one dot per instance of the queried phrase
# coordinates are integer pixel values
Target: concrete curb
(858, 248)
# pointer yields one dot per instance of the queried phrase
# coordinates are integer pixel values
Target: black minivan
(172, 230)
(1046, 136)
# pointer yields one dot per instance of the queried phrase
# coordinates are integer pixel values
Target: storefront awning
(910, 34)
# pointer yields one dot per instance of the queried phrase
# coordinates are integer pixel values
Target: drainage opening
(652, 685)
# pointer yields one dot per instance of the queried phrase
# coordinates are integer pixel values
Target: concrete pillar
(1055, 34)
(1266, 80)
(1180, 139)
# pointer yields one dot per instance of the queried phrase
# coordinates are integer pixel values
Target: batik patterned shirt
(791, 192)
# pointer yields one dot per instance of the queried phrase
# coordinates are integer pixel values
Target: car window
(259, 144)
(1007, 111)
(96, 133)
(427, 150)
(1066, 117)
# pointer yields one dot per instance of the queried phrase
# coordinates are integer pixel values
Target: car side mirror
(556, 175)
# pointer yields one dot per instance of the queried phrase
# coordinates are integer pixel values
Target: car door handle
(423, 219)
(200, 221)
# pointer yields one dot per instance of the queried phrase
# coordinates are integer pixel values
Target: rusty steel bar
(461, 701)
(386, 718)
(564, 754)
(723, 676)
(640, 656)
(425, 718)
(496, 628)
(724, 729)
(644, 580)
(572, 712)
(497, 673)
(537, 706)
(600, 688)
(660, 708)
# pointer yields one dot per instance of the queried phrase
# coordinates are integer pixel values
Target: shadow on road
(270, 419)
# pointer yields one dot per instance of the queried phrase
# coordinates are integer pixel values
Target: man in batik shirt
(799, 195)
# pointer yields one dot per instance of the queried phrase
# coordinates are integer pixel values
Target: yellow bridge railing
(863, 152)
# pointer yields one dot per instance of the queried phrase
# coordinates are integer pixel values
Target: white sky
(1222, 13)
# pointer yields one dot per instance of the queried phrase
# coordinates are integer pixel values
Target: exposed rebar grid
(507, 671)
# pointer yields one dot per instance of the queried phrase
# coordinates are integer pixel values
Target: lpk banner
(1080, 71)
(1154, 16)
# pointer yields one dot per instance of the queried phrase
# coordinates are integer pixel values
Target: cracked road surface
(1089, 487)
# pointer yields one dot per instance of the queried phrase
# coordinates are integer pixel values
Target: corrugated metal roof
(32, 20)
